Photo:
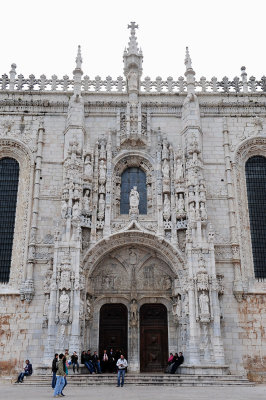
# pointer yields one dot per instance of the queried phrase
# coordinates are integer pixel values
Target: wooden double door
(153, 338)
(153, 334)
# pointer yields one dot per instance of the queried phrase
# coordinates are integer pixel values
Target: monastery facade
(133, 216)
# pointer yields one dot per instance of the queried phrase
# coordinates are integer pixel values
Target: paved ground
(20, 392)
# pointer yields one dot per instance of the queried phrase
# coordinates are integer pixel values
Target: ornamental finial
(79, 58)
(188, 62)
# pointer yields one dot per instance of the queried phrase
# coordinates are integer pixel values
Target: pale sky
(42, 36)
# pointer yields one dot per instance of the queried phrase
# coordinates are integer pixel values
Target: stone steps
(144, 380)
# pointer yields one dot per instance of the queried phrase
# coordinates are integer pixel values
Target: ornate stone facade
(73, 250)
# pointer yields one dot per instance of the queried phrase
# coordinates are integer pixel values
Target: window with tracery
(133, 177)
(9, 177)
(256, 190)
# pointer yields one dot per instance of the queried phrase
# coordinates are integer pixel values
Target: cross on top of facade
(132, 26)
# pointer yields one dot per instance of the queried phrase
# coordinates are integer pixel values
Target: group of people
(174, 361)
(106, 362)
(109, 361)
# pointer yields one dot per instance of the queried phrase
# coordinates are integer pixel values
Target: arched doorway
(113, 328)
(153, 337)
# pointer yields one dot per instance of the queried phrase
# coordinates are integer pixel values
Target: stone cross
(133, 26)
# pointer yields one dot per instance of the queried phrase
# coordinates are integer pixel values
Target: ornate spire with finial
(190, 73)
(188, 62)
(79, 59)
(77, 73)
(133, 60)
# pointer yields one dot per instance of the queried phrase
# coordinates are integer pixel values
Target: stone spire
(133, 61)
(77, 73)
(190, 73)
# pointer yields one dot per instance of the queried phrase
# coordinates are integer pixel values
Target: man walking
(121, 365)
(60, 377)
(54, 369)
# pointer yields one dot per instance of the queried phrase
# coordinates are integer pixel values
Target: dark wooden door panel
(153, 338)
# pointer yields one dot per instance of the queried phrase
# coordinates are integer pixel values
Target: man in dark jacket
(27, 372)
(54, 369)
(96, 362)
(88, 362)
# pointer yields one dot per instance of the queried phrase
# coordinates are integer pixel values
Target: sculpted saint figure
(166, 207)
(63, 209)
(204, 303)
(132, 81)
(76, 209)
(134, 311)
(102, 172)
(88, 167)
(179, 171)
(134, 198)
(181, 204)
(165, 169)
(64, 303)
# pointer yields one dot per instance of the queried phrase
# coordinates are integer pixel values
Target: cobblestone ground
(20, 392)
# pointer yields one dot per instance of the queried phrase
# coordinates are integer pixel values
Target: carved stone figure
(179, 171)
(102, 172)
(76, 210)
(204, 303)
(64, 303)
(180, 204)
(165, 150)
(166, 207)
(88, 171)
(177, 307)
(167, 283)
(46, 306)
(134, 198)
(101, 207)
(86, 201)
(133, 312)
(165, 169)
(203, 212)
(65, 280)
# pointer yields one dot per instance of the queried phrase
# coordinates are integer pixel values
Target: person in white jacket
(121, 365)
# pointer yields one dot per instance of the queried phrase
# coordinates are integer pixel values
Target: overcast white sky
(42, 36)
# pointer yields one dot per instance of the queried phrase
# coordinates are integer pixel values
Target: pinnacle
(79, 58)
(188, 62)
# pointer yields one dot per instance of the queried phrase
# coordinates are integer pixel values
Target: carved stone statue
(86, 201)
(76, 211)
(176, 309)
(179, 171)
(102, 172)
(134, 198)
(204, 303)
(88, 309)
(203, 212)
(64, 303)
(88, 172)
(133, 312)
(101, 206)
(167, 283)
(166, 207)
(181, 204)
(165, 169)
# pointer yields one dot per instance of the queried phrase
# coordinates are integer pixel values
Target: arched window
(256, 190)
(9, 175)
(133, 177)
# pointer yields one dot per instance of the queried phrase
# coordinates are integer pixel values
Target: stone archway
(138, 268)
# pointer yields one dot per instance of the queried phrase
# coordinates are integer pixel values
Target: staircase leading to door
(152, 379)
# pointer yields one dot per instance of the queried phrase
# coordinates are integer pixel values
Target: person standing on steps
(54, 369)
(121, 365)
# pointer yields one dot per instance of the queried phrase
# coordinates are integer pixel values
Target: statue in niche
(102, 172)
(134, 198)
(192, 212)
(165, 169)
(88, 309)
(88, 172)
(102, 149)
(133, 312)
(179, 171)
(132, 256)
(65, 280)
(86, 201)
(101, 206)
(76, 211)
(63, 209)
(132, 80)
(166, 207)
(76, 192)
(64, 303)
(204, 303)
(181, 204)
(165, 151)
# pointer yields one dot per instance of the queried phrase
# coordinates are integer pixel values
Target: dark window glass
(9, 175)
(133, 177)
(256, 188)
